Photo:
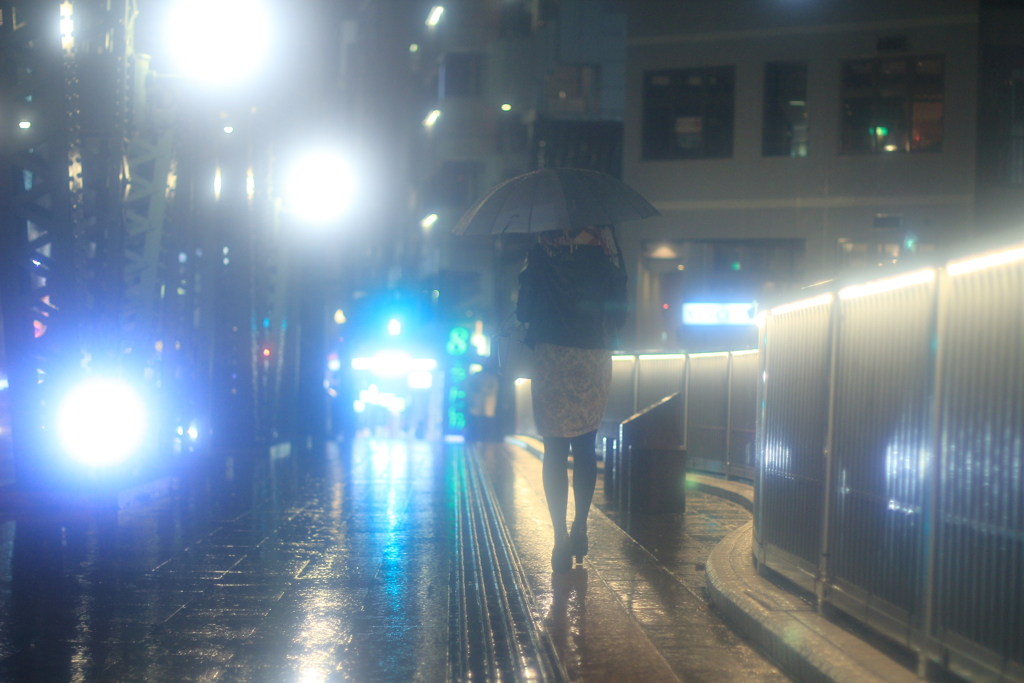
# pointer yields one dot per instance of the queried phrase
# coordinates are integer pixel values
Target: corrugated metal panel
(660, 376)
(791, 489)
(524, 408)
(621, 401)
(743, 381)
(622, 397)
(707, 411)
(979, 566)
(880, 437)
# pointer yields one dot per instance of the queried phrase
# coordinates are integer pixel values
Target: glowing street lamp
(321, 187)
(101, 422)
(220, 41)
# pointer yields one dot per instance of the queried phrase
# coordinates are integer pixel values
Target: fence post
(636, 384)
(728, 417)
(686, 400)
(823, 565)
(933, 473)
(759, 437)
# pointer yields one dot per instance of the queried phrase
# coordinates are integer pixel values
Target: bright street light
(220, 41)
(321, 187)
(101, 422)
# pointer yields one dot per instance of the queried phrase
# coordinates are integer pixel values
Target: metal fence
(891, 472)
(883, 427)
(717, 410)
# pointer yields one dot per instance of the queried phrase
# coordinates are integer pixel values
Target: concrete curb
(732, 491)
(807, 646)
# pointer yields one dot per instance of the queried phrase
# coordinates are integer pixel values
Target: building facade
(786, 143)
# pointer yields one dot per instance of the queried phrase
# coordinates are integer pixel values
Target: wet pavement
(369, 564)
(333, 572)
(637, 610)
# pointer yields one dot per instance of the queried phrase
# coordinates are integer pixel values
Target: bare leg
(584, 474)
(556, 482)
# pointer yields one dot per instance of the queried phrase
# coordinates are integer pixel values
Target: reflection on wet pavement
(339, 565)
(634, 611)
(254, 570)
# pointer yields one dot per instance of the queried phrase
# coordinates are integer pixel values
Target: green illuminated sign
(456, 398)
(458, 341)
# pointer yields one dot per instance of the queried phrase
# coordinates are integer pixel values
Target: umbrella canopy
(554, 199)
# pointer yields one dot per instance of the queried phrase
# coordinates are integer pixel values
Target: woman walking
(572, 295)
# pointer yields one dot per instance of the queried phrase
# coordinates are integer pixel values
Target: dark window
(785, 110)
(516, 20)
(563, 143)
(460, 75)
(572, 89)
(688, 113)
(513, 134)
(893, 104)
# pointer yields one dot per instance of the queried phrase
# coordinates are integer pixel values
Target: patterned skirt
(570, 389)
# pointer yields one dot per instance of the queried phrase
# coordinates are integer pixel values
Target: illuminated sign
(456, 400)
(458, 342)
(719, 314)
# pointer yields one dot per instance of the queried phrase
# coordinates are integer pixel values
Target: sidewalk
(708, 552)
(636, 611)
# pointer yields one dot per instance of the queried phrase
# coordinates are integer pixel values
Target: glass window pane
(893, 104)
(927, 126)
(688, 113)
(784, 127)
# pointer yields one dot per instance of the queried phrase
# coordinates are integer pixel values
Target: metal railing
(883, 427)
(890, 480)
(717, 410)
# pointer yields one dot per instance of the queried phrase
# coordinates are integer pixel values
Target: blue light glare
(101, 422)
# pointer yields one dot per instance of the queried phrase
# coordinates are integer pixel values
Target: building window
(572, 89)
(460, 75)
(688, 113)
(785, 110)
(893, 104)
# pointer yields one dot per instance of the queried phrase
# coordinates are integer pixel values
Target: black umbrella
(554, 199)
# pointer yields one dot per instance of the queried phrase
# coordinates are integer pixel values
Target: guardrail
(883, 426)
(891, 482)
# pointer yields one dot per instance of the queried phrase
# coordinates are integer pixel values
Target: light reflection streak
(1000, 258)
(778, 458)
(800, 305)
(917, 278)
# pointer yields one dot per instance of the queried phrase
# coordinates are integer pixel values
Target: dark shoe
(561, 557)
(578, 541)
